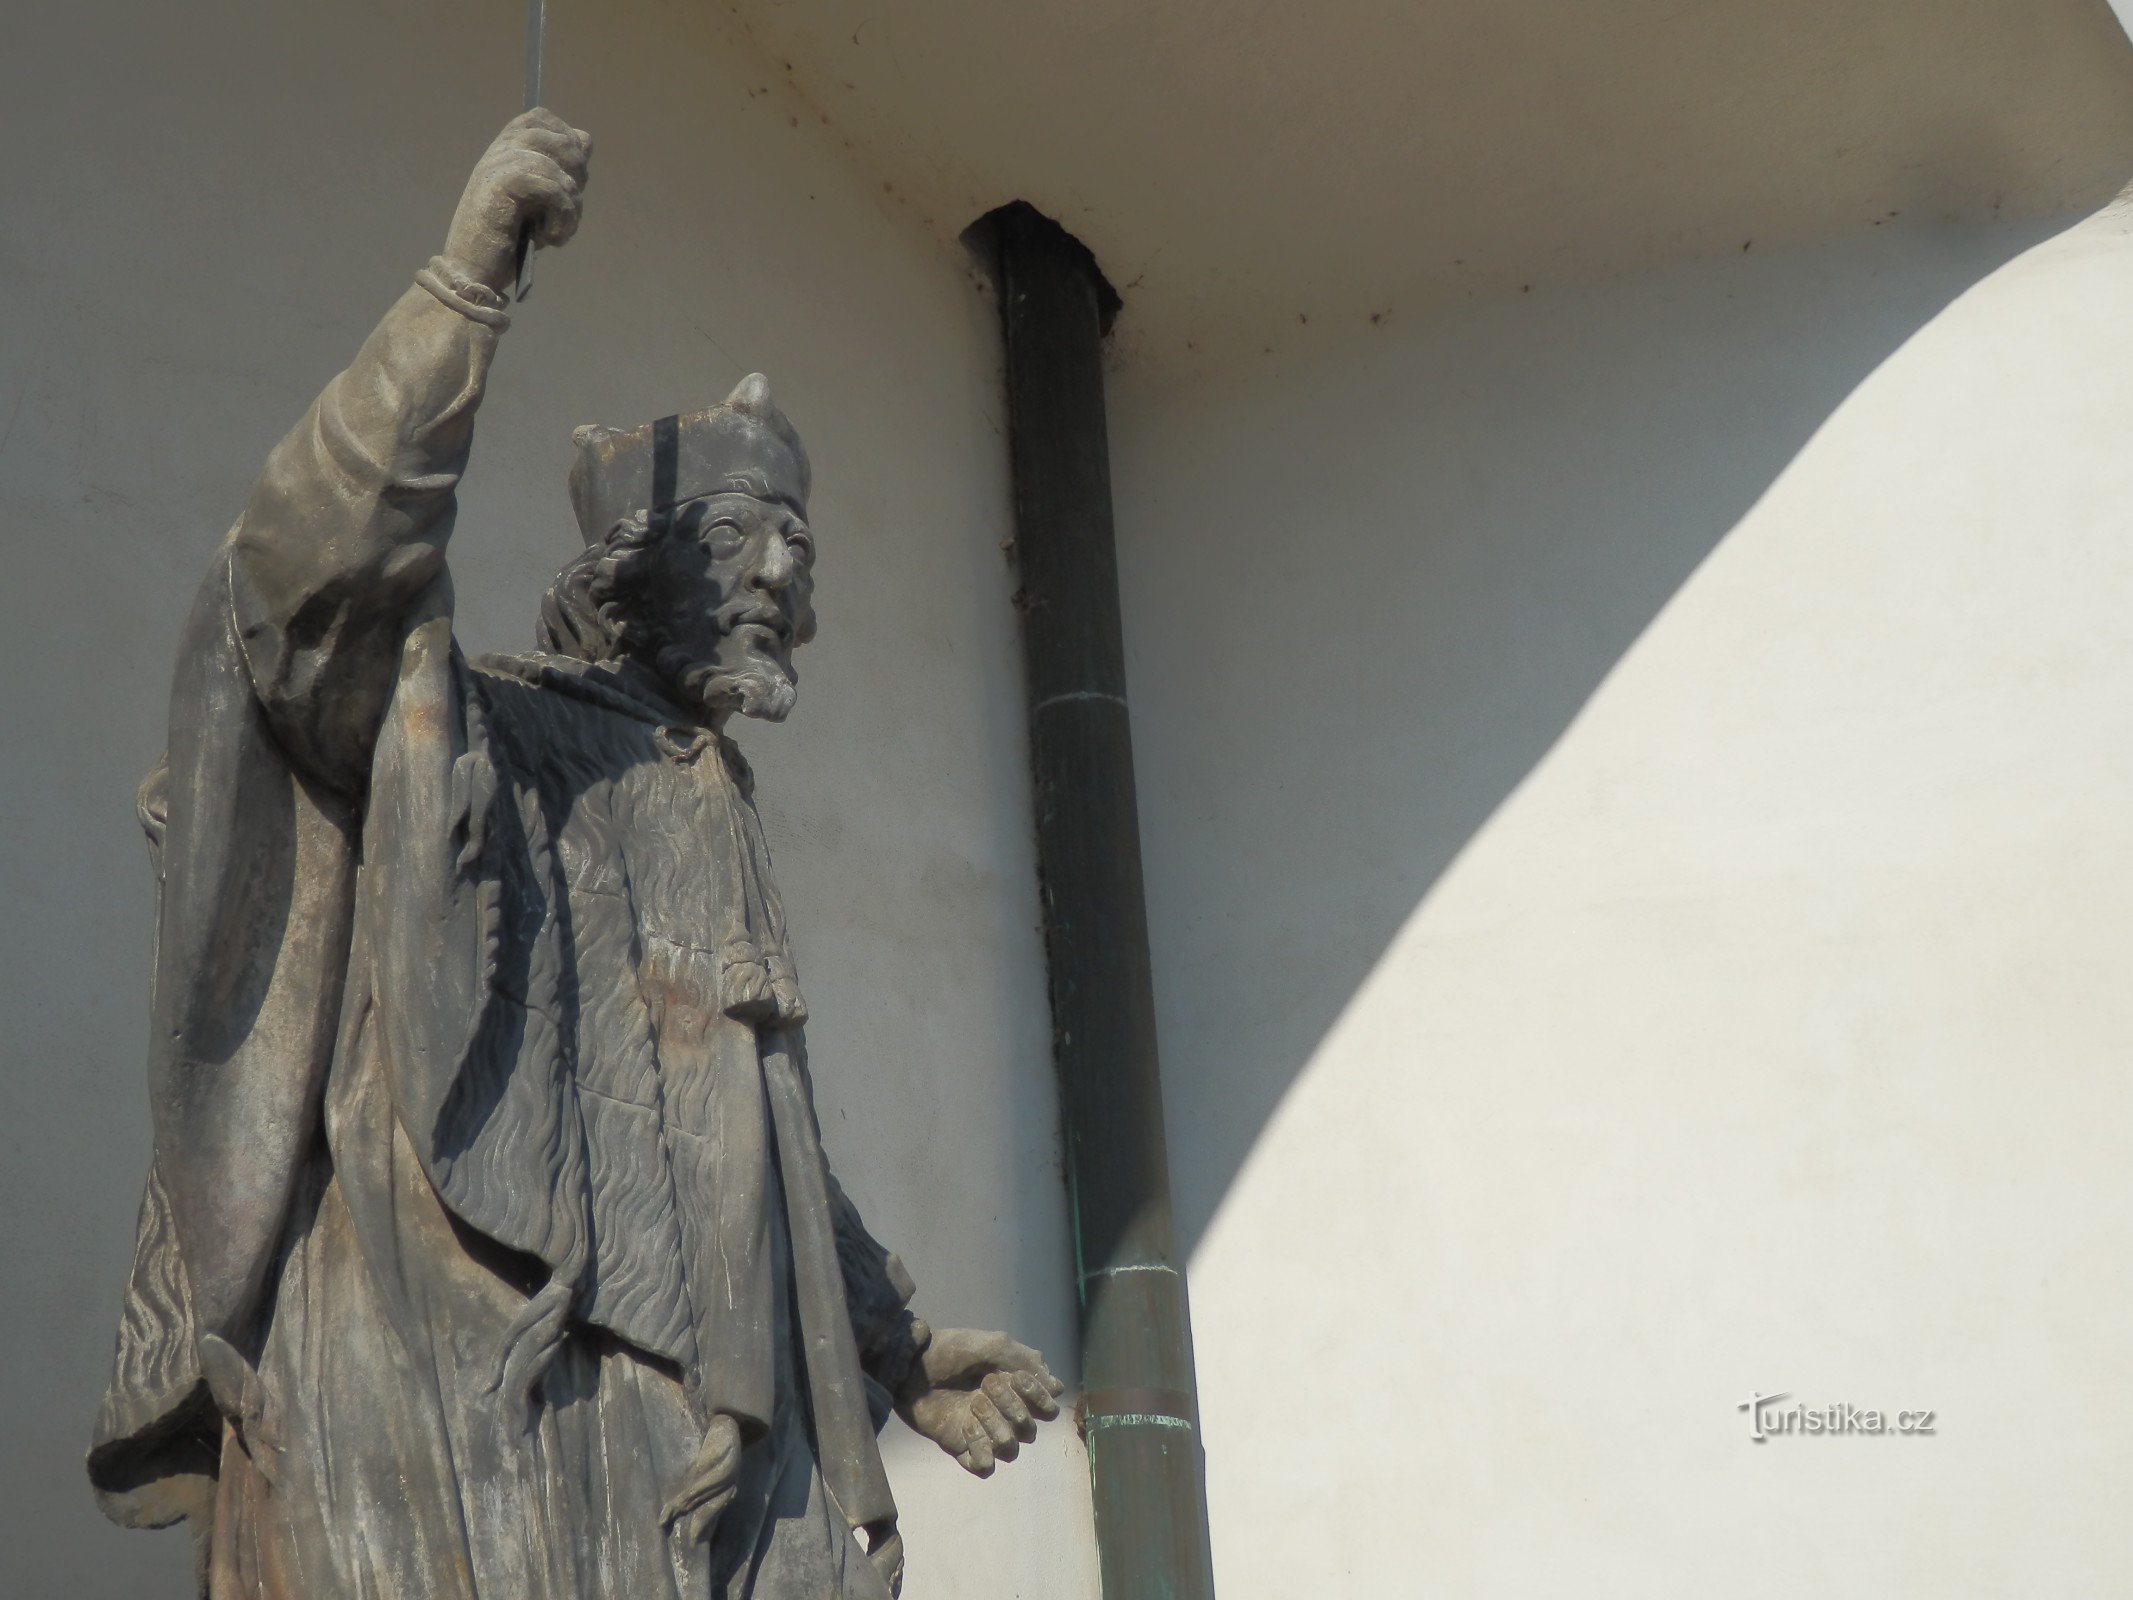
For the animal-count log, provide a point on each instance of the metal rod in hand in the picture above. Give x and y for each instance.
(536, 62)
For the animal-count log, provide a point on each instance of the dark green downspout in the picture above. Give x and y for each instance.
(1140, 1415)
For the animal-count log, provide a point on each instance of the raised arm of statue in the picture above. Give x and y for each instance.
(348, 521)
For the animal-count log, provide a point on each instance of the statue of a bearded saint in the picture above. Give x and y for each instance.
(489, 1248)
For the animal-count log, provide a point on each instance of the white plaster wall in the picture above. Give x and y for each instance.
(202, 209)
(1638, 795)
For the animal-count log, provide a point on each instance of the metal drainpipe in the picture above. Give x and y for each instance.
(1139, 1411)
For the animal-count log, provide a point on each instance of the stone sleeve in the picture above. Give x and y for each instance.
(878, 1290)
(348, 522)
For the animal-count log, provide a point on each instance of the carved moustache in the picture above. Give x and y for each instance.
(739, 614)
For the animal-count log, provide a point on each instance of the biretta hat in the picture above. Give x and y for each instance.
(742, 445)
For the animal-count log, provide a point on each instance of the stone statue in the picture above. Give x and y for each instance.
(489, 1248)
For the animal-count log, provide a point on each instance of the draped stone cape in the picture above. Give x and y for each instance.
(358, 855)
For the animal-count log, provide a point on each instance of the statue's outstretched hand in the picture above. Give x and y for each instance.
(980, 1397)
(533, 175)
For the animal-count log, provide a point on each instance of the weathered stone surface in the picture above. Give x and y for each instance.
(489, 1246)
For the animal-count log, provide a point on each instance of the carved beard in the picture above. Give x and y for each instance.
(758, 689)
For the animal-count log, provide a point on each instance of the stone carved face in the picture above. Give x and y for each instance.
(727, 592)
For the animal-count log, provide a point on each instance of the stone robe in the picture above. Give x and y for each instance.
(486, 1168)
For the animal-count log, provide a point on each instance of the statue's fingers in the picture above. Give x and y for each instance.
(1032, 1362)
(997, 1428)
(553, 217)
(1014, 1353)
(977, 1450)
(568, 149)
(538, 117)
(697, 1528)
(1000, 1389)
(1037, 1392)
(692, 1497)
(525, 171)
(558, 223)
(707, 1487)
(545, 192)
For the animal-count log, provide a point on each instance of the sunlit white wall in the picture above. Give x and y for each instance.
(1638, 787)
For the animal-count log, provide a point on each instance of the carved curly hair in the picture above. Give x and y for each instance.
(598, 607)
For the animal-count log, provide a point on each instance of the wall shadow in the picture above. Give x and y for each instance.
(1365, 596)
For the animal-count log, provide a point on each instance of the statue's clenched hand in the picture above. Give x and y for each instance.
(533, 175)
(980, 1396)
